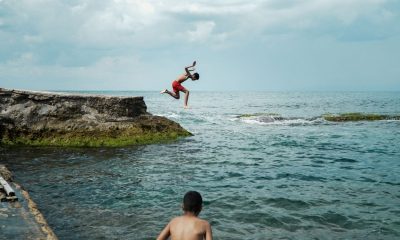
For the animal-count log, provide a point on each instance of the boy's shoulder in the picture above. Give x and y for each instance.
(184, 218)
(205, 223)
(175, 219)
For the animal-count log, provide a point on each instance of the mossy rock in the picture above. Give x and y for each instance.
(146, 130)
(91, 139)
(351, 117)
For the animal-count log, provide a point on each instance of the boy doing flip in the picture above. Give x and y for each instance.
(188, 226)
(177, 86)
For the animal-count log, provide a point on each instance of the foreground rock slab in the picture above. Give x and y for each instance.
(61, 119)
(22, 219)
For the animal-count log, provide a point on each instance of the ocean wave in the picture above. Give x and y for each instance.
(276, 119)
(169, 115)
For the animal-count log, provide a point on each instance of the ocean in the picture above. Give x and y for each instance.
(266, 163)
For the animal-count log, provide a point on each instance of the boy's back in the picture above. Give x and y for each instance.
(189, 228)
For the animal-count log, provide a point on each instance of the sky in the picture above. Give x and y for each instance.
(239, 45)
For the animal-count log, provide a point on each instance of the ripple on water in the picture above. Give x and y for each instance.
(285, 203)
(300, 177)
(334, 220)
(345, 160)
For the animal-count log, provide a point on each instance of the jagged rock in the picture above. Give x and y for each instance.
(60, 119)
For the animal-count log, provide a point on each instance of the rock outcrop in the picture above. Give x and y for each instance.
(61, 119)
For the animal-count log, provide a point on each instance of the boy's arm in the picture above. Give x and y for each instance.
(208, 232)
(164, 233)
(187, 70)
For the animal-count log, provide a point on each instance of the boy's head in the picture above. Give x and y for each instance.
(196, 76)
(192, 202)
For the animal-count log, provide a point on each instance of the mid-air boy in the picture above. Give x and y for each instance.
(177, 84)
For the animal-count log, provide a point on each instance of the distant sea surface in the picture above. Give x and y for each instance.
(283, 173)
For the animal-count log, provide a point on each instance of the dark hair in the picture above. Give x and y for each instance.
(192, 202)
(196, 75)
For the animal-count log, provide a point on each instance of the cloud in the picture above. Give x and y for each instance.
(202, 31)
(213, 8)
(19, 63)
(118, 22)
(32, 39)
(81, 37)
(107, 72)
(138, 23)
(297, 16)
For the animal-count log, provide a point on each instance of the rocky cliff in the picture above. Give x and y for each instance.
(60, 119)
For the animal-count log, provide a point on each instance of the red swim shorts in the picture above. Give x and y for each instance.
(176, 86)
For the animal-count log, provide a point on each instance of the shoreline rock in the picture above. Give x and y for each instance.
(78, 120)
(22, 219)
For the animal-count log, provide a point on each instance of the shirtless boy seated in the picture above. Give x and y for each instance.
(188, 226)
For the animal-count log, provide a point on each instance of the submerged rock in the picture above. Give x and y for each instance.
(347, 117)
(59, 119)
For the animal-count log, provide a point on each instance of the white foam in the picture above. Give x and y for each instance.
(273, 120)
(169, 115)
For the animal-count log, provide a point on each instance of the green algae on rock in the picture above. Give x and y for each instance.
(349, 117)
(67, 120)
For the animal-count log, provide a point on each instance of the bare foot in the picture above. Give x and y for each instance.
(164, 91)
(186, 107)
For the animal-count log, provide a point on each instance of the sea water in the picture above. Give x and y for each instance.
(266, 163)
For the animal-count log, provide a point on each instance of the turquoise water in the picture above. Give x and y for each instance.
(295, 176)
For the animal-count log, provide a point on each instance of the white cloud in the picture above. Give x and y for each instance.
(24, 59)
(144, 23)
(310, 13)
(32, 39)
(112, 63)
(121, 16)
(108, 72)
(213, 8)
(202, 31)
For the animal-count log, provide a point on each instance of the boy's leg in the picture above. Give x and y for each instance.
(186, 97)
(172, 94)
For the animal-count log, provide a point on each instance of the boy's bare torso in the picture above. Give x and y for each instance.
(189, 228)
(182, 78)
